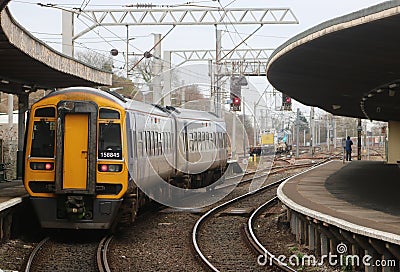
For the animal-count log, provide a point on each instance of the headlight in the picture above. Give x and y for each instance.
(110, 167)
(42, 165)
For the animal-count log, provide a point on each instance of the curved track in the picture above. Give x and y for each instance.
(101, 255)
(213, 212)
(256, 244)
(34, 253)
(211, 261)
(52, 254)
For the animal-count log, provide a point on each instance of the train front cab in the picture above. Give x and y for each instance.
(74, 166)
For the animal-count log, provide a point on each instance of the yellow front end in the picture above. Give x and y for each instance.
(76, 159)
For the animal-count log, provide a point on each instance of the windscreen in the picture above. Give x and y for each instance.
(43, 139)
(110, 146)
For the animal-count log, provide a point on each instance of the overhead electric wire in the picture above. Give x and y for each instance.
(88, 18)
(259, 35)
(84, 4)
(84, 15)
(243, 40)
(60, 7)
(154, 46)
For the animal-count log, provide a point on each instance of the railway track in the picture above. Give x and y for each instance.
(52, 254)
(230, 230)
(216, 237)
(101, 255)
(265, 256)
(261, 174)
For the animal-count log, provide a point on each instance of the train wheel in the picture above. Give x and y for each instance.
(127, 213)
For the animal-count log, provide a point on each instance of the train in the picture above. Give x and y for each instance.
(90, 155)
(271, 144)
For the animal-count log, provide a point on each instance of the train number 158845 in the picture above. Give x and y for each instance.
(110, 155)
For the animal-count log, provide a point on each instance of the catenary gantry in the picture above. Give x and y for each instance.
(347, 66)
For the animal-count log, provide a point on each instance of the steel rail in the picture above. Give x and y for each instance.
(33, 254)
(217, 208)
(214, 210)
(257, 244)
(101, 256)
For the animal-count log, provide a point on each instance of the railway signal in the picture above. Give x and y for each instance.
(236, 91)
(235, 103)
(286, 102)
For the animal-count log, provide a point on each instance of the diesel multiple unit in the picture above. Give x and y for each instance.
(87, 151)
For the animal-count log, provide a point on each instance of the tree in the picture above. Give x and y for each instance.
(95, 59)
(303, 121)
(186, 94)
(125, 87)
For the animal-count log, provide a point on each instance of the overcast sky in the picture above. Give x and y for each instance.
(45, 23)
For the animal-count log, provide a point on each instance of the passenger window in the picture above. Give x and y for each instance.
(196, 142)
(159, 143)
(43, 139)
(163, 141)
(140, 144)
(146, 138)
(153, 143)
(150, 143)
(155, 135)
(132, 143)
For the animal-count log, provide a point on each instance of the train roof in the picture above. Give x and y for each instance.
(179, 113)
(134, 105)
(145, 108)
(109, 95)
(114, 97)
(182, 113)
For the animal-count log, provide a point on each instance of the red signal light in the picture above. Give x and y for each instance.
(236, 101)
(288, 99)
(104, 168)
(48, 166)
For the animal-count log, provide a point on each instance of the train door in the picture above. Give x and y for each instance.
(76, 143)
(135, 146)
(76, 151)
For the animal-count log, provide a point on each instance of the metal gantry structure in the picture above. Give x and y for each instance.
(248, 62)
(235, 61)
(179, 16)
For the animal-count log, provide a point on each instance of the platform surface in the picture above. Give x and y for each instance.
(359, 196)
(11, 193)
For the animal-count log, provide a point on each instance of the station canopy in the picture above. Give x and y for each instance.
(27, 64)
(347, 66)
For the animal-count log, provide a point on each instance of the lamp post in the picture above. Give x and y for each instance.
(127, 52)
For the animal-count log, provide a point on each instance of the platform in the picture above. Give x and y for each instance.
(11, 193)
(360, 197)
